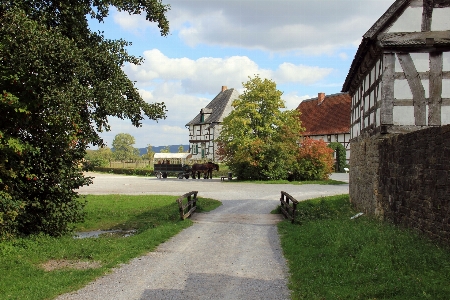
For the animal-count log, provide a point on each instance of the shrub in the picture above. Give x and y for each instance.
(341, 156)
(314, 161)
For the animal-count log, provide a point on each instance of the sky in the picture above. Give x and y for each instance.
(305, 47)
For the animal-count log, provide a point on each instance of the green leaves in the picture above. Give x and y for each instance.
(259, 140)
(60, 82)
(123, 147)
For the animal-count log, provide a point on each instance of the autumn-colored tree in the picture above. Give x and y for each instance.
(258, 139)
(314, 160)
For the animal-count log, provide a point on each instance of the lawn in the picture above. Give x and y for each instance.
(155, 219)
(332, 256)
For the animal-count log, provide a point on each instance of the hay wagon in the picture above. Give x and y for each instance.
(165, 163)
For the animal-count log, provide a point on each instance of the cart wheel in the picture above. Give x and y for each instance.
(186, 176)
(164, 175)
(180, 176)
(158, 175)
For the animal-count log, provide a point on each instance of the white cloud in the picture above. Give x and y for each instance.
(137, 24)
(288, 72)
(343, 56)
(314, 27)
(208, 74)
(292, 100)
(150, 133)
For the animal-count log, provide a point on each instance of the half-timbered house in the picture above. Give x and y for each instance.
(206, 126)
(327, 118)
(399, 82)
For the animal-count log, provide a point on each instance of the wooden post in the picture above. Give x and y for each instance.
(286, 209)
(294, 208)
(189, 203)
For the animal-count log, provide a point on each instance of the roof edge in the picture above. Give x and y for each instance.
(368, 39)
(326, 96)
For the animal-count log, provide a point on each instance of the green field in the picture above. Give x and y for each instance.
(155, 219)
(331, 256)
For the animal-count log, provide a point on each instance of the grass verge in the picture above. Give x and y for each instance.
(155, 219)
(331, 256)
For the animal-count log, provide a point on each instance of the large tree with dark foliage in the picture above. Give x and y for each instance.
(59, 82)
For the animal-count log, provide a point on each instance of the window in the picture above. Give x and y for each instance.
(194, 149)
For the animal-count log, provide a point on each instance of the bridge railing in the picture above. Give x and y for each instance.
(188, 207)
(288, 206)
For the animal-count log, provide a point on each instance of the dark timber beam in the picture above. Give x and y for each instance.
(415, 84)
(435, 101)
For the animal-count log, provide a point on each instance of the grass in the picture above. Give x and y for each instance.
(156, 219)
(331, 256)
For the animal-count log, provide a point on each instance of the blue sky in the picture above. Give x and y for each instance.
(306, 47)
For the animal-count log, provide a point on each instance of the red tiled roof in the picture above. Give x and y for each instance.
(332, 116)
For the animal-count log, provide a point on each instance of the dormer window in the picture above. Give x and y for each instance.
(204, 114)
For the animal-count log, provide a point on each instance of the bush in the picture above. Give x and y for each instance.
(341, 156)
(140, 172)
(314, 161)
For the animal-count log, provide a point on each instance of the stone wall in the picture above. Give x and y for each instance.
(404, 179)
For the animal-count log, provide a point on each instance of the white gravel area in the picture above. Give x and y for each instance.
(232, 252)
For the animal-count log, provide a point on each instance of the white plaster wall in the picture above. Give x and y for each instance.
(445, 115)
(398, 67)
(373, 75)
(440, 20)
(421, 61)
(409, 21)
(378, 118)
(355, 131)
(445, 88)
(426, 87)
(402, 90)
(366, 103)
(446, 61)
(403, 115)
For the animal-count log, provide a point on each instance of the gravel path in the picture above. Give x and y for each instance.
(232, 252)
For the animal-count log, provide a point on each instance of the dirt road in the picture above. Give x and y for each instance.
(232, 252)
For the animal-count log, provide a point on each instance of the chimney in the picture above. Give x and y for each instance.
(224, 88)
(320, 98)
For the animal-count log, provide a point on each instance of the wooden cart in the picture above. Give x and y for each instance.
(164, 163)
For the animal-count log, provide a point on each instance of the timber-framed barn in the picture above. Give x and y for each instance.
(206, 126)
(399, 82)
(400, 77)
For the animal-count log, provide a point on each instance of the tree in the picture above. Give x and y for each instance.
(150, 153)
(180, 149)
(314, 161)
(100, 157)
(258, 140)
(59, 82)
(165, 150)
(341, 155)
(123, 147)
